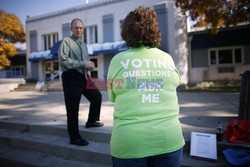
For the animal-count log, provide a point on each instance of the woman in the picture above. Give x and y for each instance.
(142, 84)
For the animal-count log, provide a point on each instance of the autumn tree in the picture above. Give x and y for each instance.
(214, 14)
(11, 31)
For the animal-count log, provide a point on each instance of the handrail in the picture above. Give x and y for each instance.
(48, 80)
(54, 76)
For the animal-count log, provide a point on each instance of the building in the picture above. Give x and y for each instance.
(18, 67)
(219, 57)
(102, 20)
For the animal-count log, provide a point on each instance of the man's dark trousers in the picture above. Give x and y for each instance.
(74, 86)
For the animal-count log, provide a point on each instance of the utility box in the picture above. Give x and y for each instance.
(244, 105)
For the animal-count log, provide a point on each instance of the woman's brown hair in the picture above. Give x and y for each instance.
(140, 27)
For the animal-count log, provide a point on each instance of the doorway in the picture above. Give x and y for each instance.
(50, 68)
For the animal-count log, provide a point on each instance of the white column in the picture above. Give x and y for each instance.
(177, 44)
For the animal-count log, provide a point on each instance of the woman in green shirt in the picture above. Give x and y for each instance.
(142, 83)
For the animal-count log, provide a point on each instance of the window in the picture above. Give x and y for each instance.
(238, 55)
(226, 56)
(212, 57)
(94, 74)
(121, 23)
(95, 61)
(56, 66)
(49, 40)
(17, 71)
(85, 35)
(90, 34)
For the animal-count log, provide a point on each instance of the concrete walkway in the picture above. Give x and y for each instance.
(199, 111)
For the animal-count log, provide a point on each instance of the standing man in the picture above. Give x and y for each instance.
(75, 63)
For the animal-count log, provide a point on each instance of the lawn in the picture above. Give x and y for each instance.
(215, 89)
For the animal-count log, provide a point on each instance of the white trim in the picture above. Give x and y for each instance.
(91, 39)
(226, 48)
(52, 42)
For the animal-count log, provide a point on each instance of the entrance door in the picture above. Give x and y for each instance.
(50, 68)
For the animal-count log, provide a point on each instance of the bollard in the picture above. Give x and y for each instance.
(244, 104)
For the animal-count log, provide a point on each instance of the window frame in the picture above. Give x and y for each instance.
(88, 38)
(21, 69)
(233, 48)
(49, 40)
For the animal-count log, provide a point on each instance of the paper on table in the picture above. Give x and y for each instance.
(203, 145)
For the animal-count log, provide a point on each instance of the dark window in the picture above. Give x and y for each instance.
(96, 35)
(95, 61)
(237, 53)
(49, 42)
(47, 76)
(225, 56)
(56, 66)
(94, 74)
(212, 57)
(85, 35)
(45, 42)
(54, 38)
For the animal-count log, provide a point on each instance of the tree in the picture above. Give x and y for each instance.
(214, 14)
(11, 31)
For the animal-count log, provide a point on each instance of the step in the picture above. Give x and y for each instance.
(7, 87)
(96, 135)
(88, 134)
(50, 139)
(26, 87)
(59, 146)
(12, 156)
(28, 148)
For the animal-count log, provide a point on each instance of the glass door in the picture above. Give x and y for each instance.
(55, 68)
(51, 68)
(47, 69)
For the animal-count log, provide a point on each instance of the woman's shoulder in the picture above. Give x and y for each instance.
(162, 53)
(120, 56)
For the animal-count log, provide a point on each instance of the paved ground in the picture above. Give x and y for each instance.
(199, 111)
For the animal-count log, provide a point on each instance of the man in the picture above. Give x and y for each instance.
(75, 63)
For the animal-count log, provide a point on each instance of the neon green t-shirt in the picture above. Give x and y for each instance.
(142, 83)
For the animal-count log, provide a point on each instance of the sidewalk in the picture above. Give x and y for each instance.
(33, 128)
(199, 111)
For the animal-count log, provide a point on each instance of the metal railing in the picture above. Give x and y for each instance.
(51, 79)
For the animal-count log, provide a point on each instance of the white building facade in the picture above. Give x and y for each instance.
(102, 20)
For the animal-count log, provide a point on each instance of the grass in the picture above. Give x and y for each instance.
(214, 89)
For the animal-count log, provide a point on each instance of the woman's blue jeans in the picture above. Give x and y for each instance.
(172, 159)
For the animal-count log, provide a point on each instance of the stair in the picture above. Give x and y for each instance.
(26, 87)
(55, 85)
(7, 87)
(34, 143)
(47, 145)
(13, 156)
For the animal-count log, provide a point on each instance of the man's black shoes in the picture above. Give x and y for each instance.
(79, 142)
(93, 124)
